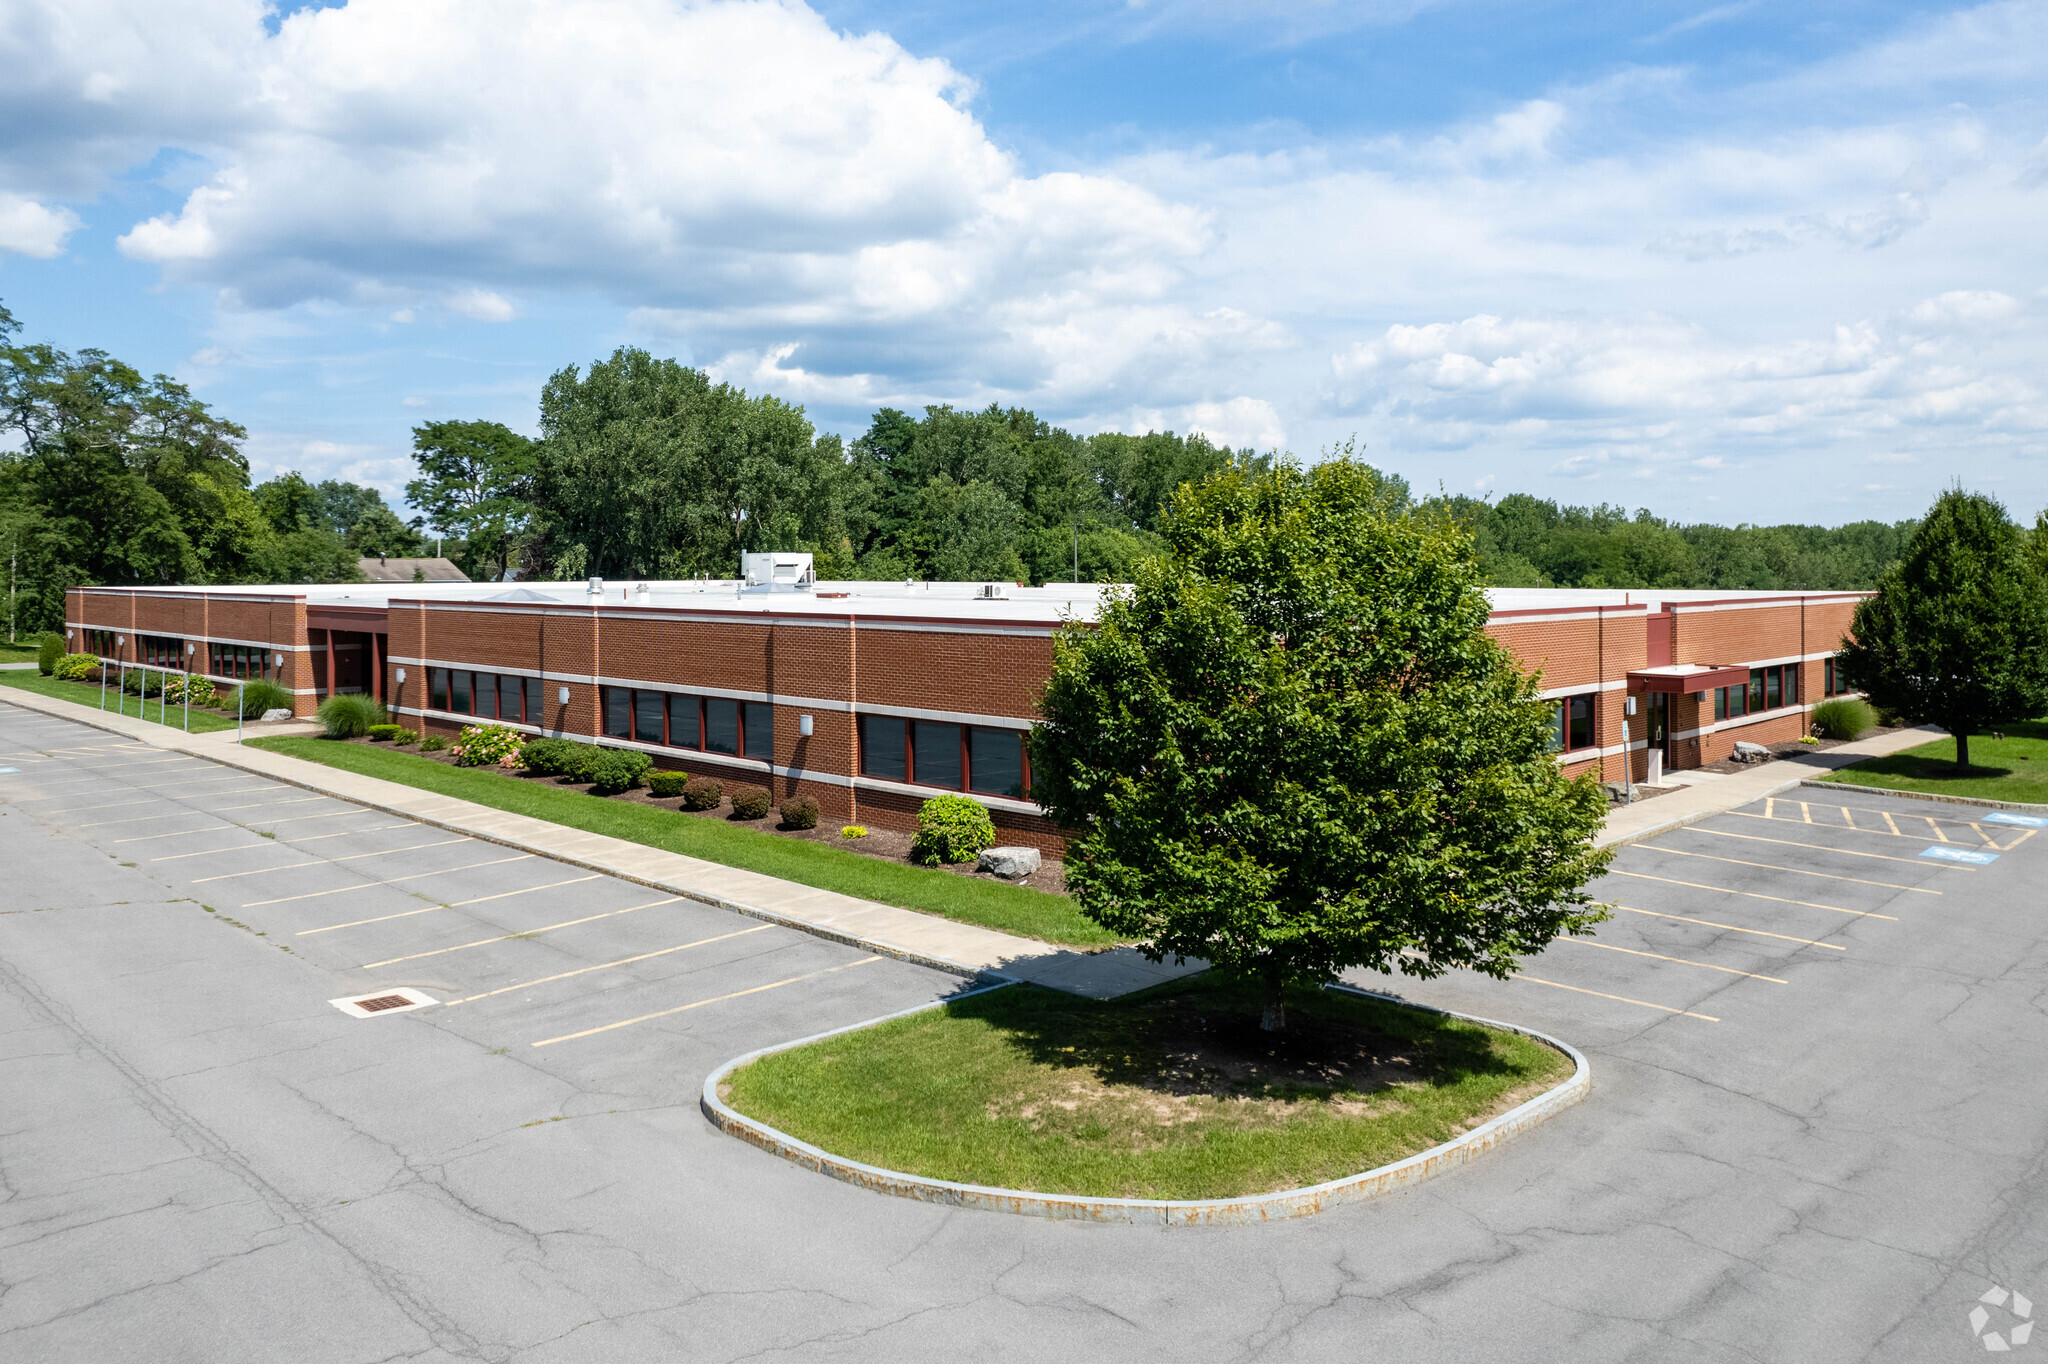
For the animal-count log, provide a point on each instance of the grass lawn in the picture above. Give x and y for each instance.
(1172, 1093)
(2013, 768)
(1012, 909)
(88, 694)
(23, 652)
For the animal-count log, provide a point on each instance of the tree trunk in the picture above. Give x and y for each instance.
(1274, 1019)
(1962, 749)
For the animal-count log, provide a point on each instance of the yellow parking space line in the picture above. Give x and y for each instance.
(1734, 928)
(1894, 824)
(606, 966)
(291, 843)
(1935, 827)
(1751, 894)
(330, 861)
(684, 1008)
(523, 933)
(1796, 871)
(1816, 847)
(1682, 961)
(1624, 999)
(387, 881)
(384, 918)
(1876, 833)
(1806, 812)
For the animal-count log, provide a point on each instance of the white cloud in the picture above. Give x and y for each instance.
(479, 305)
(32, 229)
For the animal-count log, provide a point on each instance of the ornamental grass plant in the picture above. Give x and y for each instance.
(349, 715)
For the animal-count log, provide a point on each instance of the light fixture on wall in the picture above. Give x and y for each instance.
(562, 695)
(803, 725)
(280, 660)
(401, 677)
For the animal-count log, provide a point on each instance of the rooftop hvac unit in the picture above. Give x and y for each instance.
(777, 572)
(993, 592)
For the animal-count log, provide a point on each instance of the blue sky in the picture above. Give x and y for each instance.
(1737, 261)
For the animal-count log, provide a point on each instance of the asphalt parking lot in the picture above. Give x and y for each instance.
(1815, 1132)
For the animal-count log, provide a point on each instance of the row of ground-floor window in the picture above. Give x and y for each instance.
(1575, 720)
(981, 758)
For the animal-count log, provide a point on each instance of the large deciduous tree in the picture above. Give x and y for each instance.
(1292, 749)
(473, 484)
(1957, 632)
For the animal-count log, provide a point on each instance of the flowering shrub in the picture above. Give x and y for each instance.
(487, 746)
(200, 689)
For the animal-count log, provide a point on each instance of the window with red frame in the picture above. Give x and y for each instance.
(984, 759)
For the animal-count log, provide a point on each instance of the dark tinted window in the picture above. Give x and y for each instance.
(881, 747)
(1580, 731)
(934, 754)
(437, 689)
(682, 722)
(721, 725)
(461, 697)
(647, 711)
(1772, 697)
(487, 695)
(510, 692)
(536, 712)
(760, 722)
(995, 761)
(618, 712)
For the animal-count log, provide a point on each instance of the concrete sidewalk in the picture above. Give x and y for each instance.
(927, 939)
(924, 938)
(1707, 793)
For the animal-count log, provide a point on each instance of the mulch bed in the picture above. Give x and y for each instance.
(1790, 748)
(887, 845)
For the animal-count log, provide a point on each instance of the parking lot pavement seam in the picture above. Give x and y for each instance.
(1249, 1210)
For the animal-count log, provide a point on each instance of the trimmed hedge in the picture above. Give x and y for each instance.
(384, 734)
(751, 803)
(49, 651)
(703, 793)
(799, 812)
(549, 757)
(664, 785)
(951, 829)
(612, 770)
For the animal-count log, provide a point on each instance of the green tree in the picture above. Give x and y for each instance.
(473, 484)
(378, 533)
(1957, 632)
(1292, 749)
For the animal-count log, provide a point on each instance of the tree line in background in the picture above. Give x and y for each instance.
(645, 467)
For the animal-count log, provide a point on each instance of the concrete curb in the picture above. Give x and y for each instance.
(1623, 840)
(1927, 795)
(228, 755)
(1273, 1207)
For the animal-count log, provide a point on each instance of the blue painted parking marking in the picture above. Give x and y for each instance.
(2028, 821)
(1969, 855)
(9, 769)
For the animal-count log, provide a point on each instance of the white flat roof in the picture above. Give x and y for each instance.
(949, 600)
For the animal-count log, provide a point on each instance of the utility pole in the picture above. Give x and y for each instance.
(13, 554)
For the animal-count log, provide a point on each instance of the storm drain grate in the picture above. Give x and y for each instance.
(391, 1001)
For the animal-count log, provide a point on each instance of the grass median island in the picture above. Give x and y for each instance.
(2014, 768)
(1172, 1093)
(118, 702)
(1010, 909)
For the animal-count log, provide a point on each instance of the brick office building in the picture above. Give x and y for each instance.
(871, 697)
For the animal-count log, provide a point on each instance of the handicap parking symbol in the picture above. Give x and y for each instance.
(1969, 855)
(2026, 821)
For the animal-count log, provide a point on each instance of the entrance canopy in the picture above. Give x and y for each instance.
(1680, 678)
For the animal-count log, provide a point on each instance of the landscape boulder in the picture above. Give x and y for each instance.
(1751, 753)
(1012, 864)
